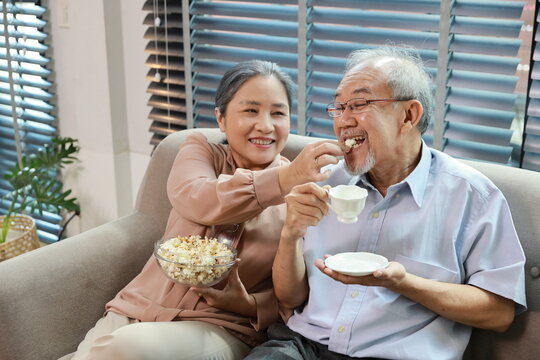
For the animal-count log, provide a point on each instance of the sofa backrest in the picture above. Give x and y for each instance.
(520, 187)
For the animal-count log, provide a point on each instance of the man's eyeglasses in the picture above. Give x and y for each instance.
(356, 105)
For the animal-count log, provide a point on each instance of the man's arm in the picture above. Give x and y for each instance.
(289, 272)
(306, 205)
(462, 303)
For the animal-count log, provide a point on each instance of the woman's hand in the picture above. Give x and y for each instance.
(234, 296)
(306, 167)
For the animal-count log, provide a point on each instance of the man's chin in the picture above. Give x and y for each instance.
(360, 168)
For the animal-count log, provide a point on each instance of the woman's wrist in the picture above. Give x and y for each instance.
(284, 178)
(252, 306)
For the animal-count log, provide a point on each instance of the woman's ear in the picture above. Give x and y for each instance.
(220, 119)
(413, 114)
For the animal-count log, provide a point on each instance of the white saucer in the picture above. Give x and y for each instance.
(356, 263)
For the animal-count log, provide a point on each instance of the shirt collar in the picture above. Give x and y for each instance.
(417, 179)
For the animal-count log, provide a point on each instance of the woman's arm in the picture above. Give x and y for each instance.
(198, 191)
(261, 306)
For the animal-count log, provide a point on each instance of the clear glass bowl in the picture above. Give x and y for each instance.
(195, 265)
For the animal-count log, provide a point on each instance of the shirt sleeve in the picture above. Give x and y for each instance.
(199, 192)
(496, 260)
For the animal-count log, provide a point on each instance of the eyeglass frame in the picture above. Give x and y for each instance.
(368, 102)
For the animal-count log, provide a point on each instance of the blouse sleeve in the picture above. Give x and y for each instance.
(267, 309)
(199, 193)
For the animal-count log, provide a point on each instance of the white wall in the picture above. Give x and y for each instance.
(101, 100)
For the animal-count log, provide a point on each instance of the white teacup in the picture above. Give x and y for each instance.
(347, 201)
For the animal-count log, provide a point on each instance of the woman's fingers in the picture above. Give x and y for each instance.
(306, 167)
(326, 152)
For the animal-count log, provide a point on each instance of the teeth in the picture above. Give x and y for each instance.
(260, 141)
(354, 142)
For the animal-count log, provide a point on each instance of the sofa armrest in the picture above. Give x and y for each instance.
(50, 297)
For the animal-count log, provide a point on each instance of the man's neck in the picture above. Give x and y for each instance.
(382, 176)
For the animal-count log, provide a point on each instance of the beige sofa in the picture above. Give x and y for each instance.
(51, 296)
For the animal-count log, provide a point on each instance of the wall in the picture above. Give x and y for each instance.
(98, 53)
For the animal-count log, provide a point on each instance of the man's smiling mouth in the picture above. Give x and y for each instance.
(354, 142)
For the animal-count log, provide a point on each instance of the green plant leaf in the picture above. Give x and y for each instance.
(5, 229)
(35, 181)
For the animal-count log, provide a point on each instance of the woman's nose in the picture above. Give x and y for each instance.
(264, 123)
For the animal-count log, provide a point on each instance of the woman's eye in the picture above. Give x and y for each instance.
(279, 113)
(251, 111)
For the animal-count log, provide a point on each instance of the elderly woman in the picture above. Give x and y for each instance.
(239, 188)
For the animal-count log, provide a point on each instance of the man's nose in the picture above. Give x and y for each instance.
(347, 118)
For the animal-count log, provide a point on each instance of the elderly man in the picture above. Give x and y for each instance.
(455, 258)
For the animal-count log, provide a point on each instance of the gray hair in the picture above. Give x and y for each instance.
(235, 77)
(406, 77)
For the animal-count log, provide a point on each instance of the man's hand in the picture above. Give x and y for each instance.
(233, 297)
(306, 206)
(389, 277)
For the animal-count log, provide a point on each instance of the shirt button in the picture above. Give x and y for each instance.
(354, 294)
(375, 215)
(397, 195)
(341, 329)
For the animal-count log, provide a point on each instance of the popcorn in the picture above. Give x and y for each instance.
(194, 260)
(350, 142)
(353, 142)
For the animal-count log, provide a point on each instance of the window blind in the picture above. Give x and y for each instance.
(166, 68)
(531, 146)
(478, 100)
(470, 48)
(26, 109)
(226, 32)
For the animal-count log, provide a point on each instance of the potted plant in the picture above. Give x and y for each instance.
(36, 189)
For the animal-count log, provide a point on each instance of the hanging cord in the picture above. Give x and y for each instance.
(167, 80)
(15, 122)
(157, 22)
(61, 234)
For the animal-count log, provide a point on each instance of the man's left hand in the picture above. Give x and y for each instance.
(388, 277)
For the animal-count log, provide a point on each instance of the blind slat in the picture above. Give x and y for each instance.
(266, 27)
(238, 9)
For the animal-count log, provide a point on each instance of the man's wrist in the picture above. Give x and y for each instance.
(290, 236)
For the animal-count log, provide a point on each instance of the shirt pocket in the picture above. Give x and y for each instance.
(403, 306)
(428, 271)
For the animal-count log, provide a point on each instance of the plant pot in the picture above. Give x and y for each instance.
(22, 237)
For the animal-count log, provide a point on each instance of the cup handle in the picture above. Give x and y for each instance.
(328, 202)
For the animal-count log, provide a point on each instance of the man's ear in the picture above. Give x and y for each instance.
(413, 114)
(220, 119)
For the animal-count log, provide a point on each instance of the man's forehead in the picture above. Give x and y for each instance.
(356, 91)
(359, 81)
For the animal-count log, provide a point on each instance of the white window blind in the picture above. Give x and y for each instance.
(26, 112)
(471, 49)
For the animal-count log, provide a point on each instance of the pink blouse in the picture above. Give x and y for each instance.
(205, 187)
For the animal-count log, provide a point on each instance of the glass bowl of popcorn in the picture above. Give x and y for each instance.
(194, 260)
